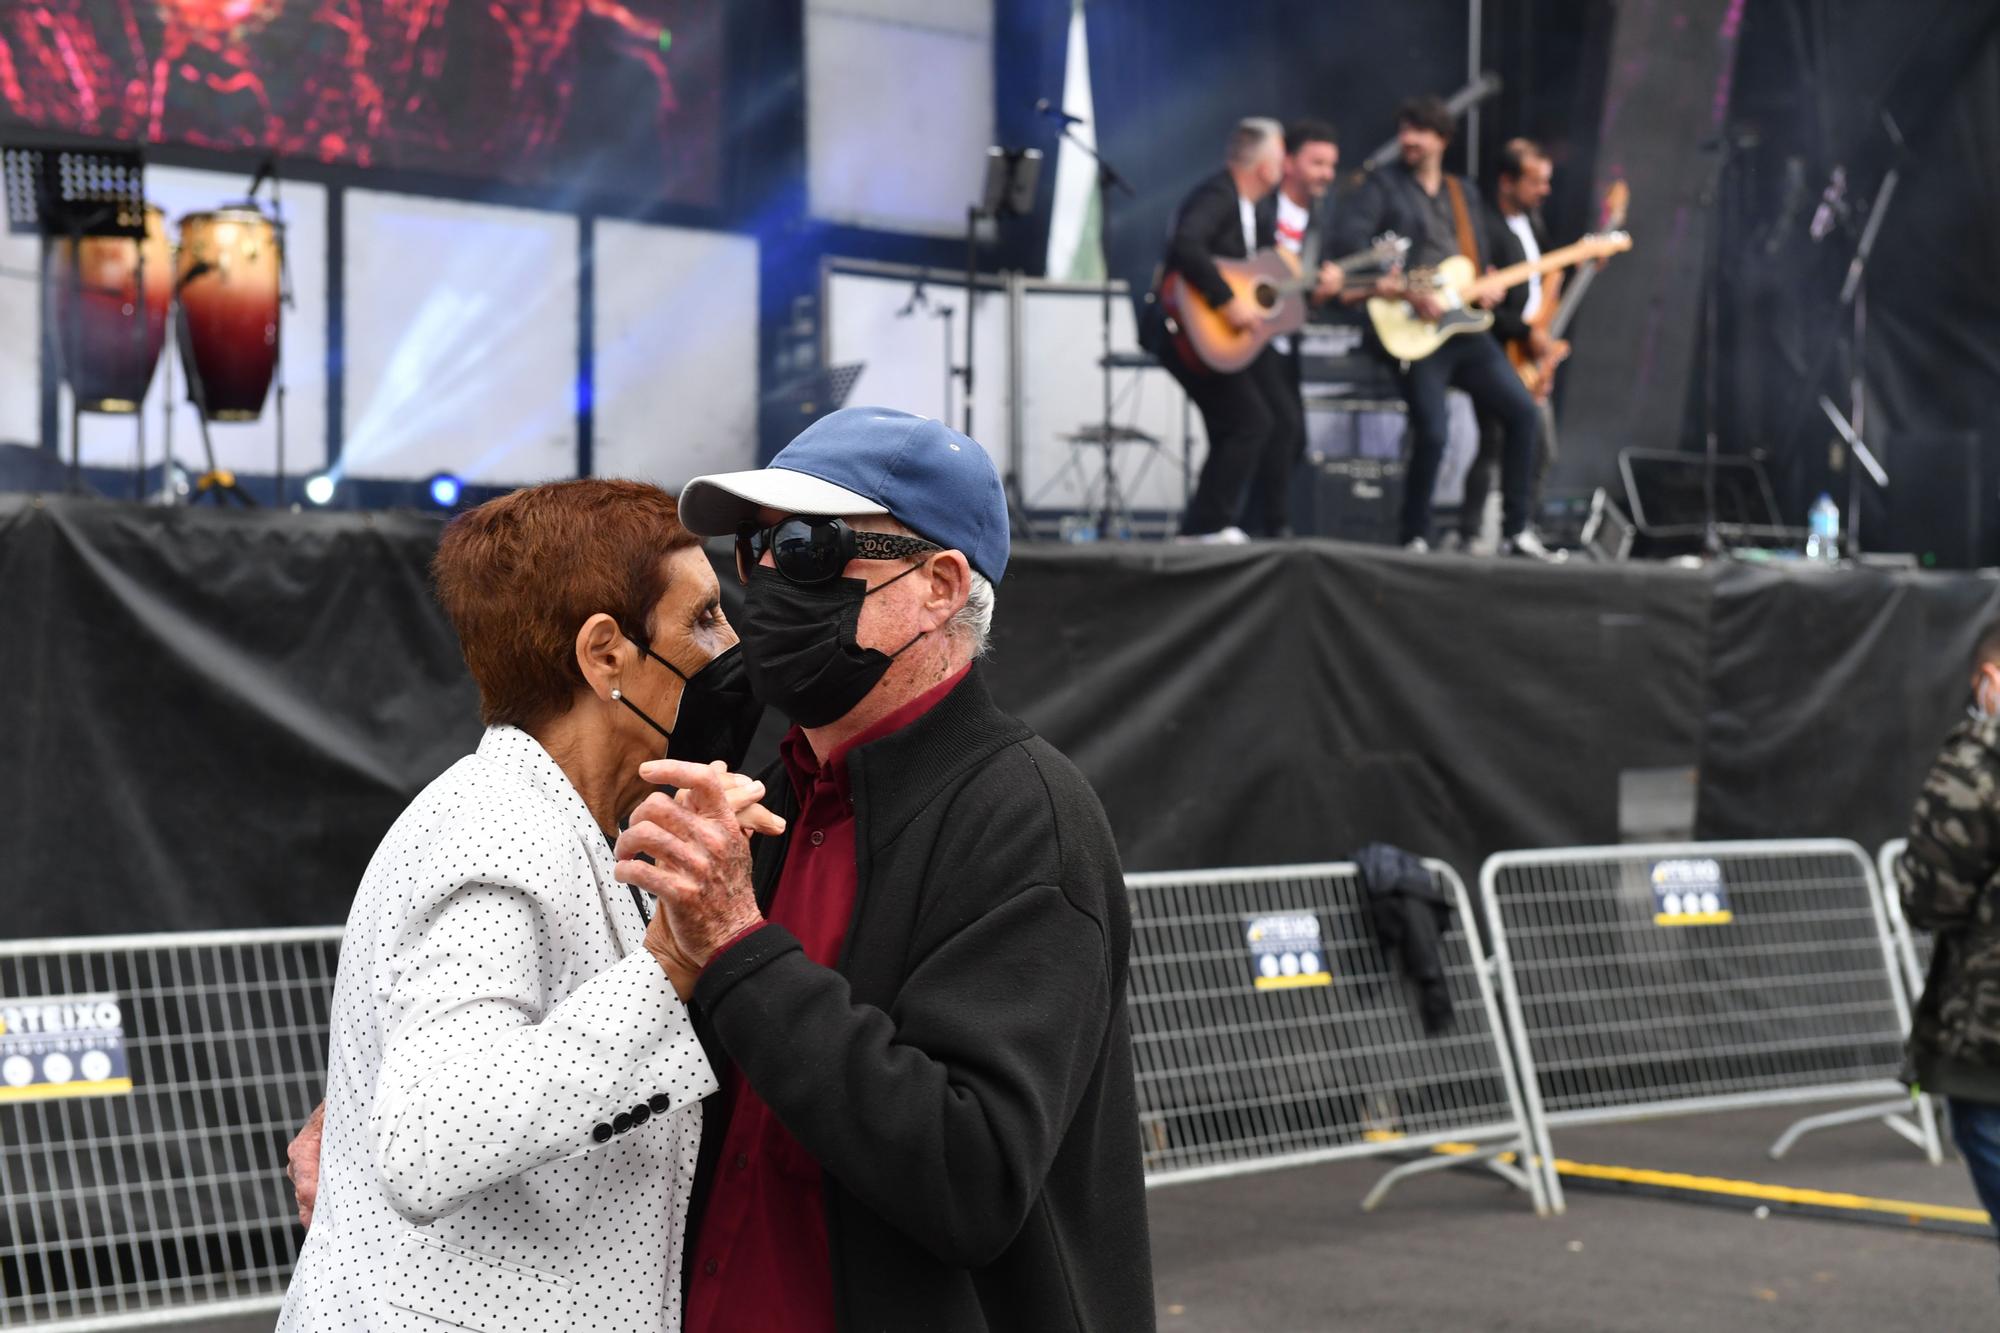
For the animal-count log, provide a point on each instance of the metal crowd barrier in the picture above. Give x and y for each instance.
(1912, 945)
(144, 1118)
(1270, 1029)
(1657, 980)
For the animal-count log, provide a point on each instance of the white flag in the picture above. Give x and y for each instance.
(1076, 241)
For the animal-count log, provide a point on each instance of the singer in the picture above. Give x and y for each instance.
(511, 1120)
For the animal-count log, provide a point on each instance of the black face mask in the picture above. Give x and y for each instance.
(798, 642)
(718, 714)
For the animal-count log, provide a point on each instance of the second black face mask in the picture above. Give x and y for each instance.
(718, 714)
(799, 644)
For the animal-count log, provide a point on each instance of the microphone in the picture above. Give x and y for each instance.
(1832, 205)
(195, 270)
(917, 300)
(1044, 107)
(264, 172)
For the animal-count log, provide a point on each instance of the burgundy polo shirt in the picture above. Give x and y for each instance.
(761, 1262)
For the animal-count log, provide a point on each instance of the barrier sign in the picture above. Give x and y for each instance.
(1690, 893)
(1285, 952)
(62, 1046)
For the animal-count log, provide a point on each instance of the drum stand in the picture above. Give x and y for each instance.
(215, 483)
(75, 193)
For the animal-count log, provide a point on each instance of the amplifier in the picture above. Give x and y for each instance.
(1353, 499)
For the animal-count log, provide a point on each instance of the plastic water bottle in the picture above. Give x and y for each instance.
(1823, 531)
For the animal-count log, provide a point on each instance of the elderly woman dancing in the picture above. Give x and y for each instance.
(511, 1124)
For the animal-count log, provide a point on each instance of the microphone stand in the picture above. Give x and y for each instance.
(1108, 179)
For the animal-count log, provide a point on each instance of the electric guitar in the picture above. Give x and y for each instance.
(1553, 319)
(1408, 336)
(1272, 280)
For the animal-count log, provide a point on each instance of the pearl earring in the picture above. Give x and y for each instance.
(615, 695)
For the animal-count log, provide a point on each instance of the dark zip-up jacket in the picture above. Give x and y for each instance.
(964, 1076)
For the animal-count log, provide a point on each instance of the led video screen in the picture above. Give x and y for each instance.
(598, 94)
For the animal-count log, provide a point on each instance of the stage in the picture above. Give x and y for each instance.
(212, 716)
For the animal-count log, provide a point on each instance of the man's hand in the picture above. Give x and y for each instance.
(701, 858)
(1425, 303)
(1539, 342)
(302, 1163)
(1242, 314)
(681, 970)
(1484, 294)
(1330, 280)
(745, 796)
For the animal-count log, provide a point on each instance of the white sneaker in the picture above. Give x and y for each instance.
(1417, 546)
(1527, 542)
(1226, 537)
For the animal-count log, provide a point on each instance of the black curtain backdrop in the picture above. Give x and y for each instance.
(210, 718)
(1814, 84)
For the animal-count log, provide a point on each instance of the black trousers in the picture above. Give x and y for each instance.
(1268, 511)
(1246, 415)
(1479, 481)
(1472, 362)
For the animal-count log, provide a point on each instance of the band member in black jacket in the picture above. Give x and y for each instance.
(1414, 197)
(1246, 413)
(1295, 216)
(1514, 233)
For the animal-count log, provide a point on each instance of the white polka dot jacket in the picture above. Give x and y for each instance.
(963, 1076)
(512, 1114)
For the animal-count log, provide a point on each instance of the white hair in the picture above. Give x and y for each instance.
(1252, 138)
(972, 624)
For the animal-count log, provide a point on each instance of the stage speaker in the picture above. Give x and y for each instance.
(1938, 510)
(1353, 499)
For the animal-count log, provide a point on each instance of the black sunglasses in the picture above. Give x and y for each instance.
(815, 550)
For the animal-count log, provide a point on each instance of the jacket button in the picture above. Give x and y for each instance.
(708, 1267)
(661, 1103)
(641, 1113)
(602, 1133)
(818, 837)
(621, 1122)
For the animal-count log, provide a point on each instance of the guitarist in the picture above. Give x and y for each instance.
(1293, 214)
(1442, 216)
(1243, 413)
(1514, 230)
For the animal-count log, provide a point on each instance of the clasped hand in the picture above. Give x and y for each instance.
(699, 842)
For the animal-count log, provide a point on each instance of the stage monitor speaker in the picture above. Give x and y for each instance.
(1667, 491)
(1937, 505)
(1353, 499)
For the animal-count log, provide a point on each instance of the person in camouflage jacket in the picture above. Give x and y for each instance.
(1950, 885)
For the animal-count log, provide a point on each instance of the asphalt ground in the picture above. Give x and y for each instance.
(1292, 1252)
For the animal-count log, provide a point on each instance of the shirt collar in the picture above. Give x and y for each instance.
(804, 766)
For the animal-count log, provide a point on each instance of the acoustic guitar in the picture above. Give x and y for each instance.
(1559, 307)
(1408, 336)
(1272, 280)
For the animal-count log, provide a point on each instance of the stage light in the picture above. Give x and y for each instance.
(319, 488)
(444, 490)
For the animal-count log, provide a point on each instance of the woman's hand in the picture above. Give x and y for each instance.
(744, 794)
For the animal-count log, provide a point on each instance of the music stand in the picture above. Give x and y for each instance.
(70, 193)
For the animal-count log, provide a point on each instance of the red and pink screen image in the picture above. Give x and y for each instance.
(616, 97)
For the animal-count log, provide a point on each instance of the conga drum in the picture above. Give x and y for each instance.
(228, 277)
(108, 352)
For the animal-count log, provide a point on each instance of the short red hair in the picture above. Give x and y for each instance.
(520, 574)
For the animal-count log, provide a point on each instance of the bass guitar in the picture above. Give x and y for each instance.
(1273, 282)
(1553, 319)
(1408, 336)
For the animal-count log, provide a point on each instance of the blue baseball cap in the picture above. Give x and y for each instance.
(870, 460)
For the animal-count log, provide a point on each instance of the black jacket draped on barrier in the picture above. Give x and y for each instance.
(209, 718)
